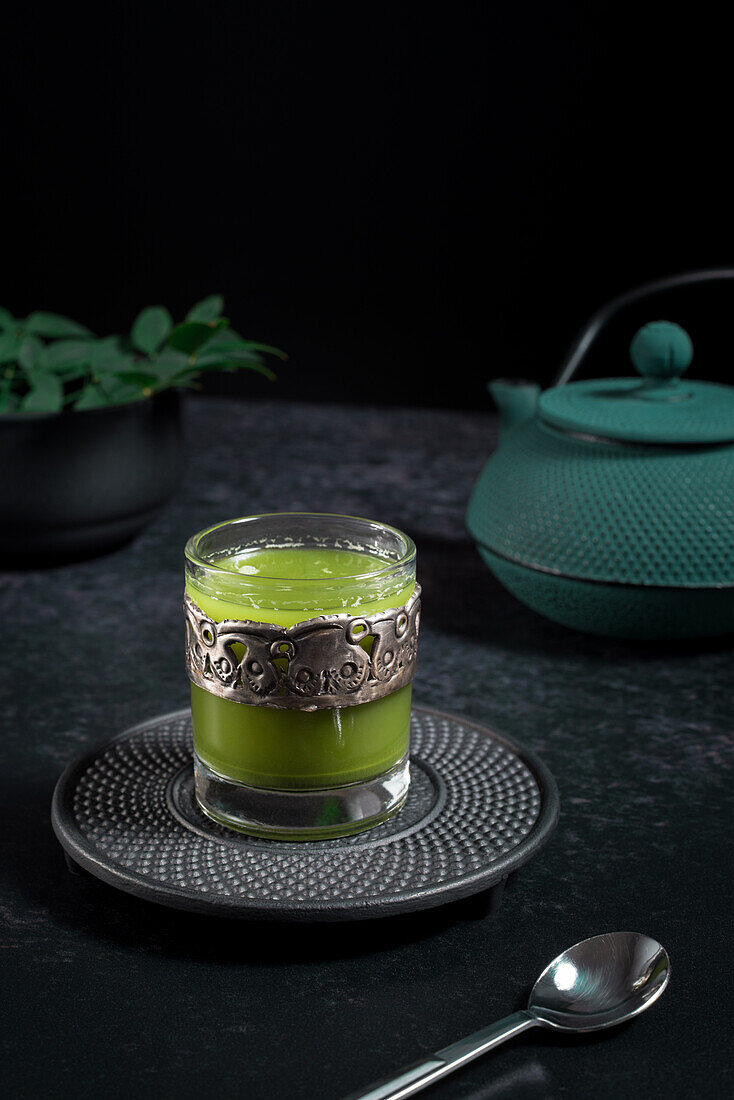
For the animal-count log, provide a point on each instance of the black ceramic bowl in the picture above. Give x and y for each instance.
(77, 484)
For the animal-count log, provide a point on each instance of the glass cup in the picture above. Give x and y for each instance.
(301, 649)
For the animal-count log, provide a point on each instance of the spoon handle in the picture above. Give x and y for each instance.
(419, 1075)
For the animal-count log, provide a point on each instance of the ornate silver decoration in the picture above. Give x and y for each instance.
(330, 661)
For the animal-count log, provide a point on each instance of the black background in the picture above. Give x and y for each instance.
(408, 198)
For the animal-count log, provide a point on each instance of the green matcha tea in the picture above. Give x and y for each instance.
(291, 749)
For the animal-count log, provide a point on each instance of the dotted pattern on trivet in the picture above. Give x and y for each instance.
(472, 803)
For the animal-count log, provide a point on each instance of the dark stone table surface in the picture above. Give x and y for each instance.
(108, 995)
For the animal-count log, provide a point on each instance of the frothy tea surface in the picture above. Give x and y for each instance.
(302, 563)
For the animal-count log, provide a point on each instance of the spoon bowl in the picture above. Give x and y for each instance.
(600, 982)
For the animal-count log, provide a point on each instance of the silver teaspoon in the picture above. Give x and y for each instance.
(597, 983)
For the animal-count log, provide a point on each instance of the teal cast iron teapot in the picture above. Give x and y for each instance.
(608, 505)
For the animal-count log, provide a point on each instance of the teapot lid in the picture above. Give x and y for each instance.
(658, 408)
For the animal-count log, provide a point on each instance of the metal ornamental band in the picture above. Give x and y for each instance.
(330, 661)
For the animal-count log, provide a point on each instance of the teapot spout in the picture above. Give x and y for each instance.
(516, 399)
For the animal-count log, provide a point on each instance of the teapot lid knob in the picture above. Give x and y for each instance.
(661, 351)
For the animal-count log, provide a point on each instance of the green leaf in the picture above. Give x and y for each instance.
(107, 354)
(6, 319)
(91, 397)
(108, 391)
(151, 329)
(253, 346)
(64, 353)
(192, 334)
(141, 380)
(210, 309)
(170, 363)
(259, 368)
(233, 354)
(118, 392)
(232, 363)
(52, 324)
(30, 352)
(225, 348)
(227, 335)
(9, 347)
(186, 380)
(267, 349)
(170, 368)
(72, 372)
(226, 338)
(46, 394)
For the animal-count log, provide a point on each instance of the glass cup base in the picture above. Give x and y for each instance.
(320, 814)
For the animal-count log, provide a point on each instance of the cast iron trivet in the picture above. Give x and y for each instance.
(479, 806)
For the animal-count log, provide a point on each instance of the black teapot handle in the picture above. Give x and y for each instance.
(598, 320)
